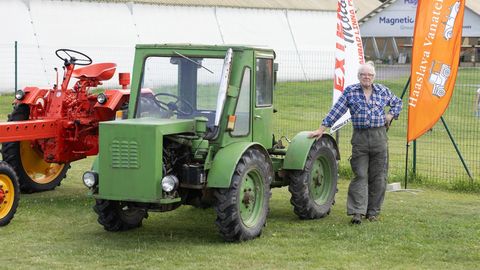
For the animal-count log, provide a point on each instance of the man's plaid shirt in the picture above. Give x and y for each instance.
(364, 114)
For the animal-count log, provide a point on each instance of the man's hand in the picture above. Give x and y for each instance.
(388, 120)
(317, 133)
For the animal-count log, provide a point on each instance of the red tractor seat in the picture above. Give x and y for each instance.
(100, 71)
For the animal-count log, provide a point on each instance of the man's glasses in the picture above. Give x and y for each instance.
(367, 74)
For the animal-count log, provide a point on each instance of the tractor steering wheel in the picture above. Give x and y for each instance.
(185, 109)
(73, 57)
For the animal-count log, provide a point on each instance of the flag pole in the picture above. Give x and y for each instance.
(405, 88)
(456, 148)
(406, 164)
(407, 145)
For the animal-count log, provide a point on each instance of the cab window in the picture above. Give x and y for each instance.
(242, 111)
(264, 82)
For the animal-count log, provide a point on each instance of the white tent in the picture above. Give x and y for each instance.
(108, 31)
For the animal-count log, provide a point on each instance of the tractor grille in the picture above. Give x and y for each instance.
(124, 154)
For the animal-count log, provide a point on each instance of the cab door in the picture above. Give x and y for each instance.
(263, 101)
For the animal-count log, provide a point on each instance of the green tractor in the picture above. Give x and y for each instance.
(199, 132)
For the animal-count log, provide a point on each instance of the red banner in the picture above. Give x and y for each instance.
(435, 57)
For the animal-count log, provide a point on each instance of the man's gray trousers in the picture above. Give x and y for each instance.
(369, 163)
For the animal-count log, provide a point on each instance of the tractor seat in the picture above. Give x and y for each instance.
(100, 71)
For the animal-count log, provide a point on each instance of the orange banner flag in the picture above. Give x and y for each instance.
(435, 58)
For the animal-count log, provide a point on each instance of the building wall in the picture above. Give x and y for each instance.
(397, 21)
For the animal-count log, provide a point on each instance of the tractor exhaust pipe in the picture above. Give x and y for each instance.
(124, 79)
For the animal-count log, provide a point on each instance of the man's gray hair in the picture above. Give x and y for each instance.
(369, 65)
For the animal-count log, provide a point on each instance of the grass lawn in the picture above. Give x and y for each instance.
(431, 229)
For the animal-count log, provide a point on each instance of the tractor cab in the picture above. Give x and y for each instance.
(214, 83)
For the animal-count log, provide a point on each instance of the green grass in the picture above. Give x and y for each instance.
(431, 229)
(436, 228)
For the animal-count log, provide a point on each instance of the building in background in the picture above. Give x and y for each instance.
(387, 30)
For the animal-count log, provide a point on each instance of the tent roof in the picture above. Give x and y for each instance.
(317, 5)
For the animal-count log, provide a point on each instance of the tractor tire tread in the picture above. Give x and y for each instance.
(110, 216)
(5, 168)
(303, 205)
(228, 219)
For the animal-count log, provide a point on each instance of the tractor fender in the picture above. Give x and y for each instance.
(115, 99)
(298, 149)
(34, 96)
(225, 161)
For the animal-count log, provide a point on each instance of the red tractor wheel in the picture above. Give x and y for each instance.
(9, 193)
(33, 172)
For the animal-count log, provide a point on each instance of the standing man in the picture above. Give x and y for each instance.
(366, 102)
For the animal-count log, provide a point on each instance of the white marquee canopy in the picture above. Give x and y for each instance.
(108, 32)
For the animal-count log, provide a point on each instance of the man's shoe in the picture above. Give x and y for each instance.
(372, 218)
(356, 219)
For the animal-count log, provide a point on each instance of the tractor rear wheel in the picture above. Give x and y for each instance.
(242, 209)
(34, 173)
(9, 193)
(313, 188)
(119, 216)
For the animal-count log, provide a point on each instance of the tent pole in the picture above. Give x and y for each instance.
(16, 67)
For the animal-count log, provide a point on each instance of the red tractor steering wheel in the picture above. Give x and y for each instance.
(73, 57)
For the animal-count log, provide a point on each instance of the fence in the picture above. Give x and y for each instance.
(302, 98)
(434, 155)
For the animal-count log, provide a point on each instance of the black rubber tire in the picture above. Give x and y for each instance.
(228, 201)
(116, 216)
(12, 155)
(8, 174)
(305, 205)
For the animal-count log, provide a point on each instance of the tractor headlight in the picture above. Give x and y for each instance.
(90, 179)
(19, 94)
(101, 98)
(169, 183)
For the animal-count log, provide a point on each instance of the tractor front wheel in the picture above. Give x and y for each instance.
(313, 188)
(9, 193)
(242, 209)
(34, 173)
(119, 216)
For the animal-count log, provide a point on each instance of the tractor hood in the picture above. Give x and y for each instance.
(130, 166)
(164, 126)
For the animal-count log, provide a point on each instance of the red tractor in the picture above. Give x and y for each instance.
(49, 128)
